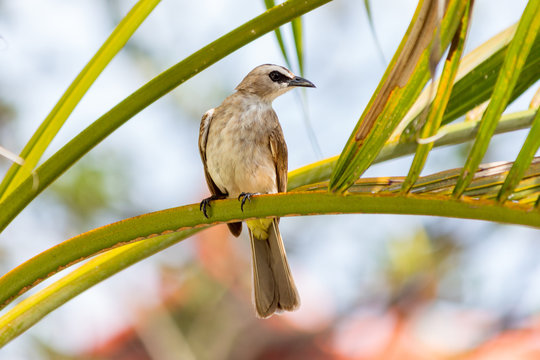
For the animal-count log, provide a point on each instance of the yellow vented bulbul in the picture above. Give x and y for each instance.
(244, 153)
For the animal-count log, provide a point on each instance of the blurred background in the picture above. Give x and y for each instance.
(372, 286)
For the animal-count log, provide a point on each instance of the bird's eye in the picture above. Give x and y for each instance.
(275, 76)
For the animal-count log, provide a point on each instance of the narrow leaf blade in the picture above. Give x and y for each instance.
(440, 102)
(270, 4)
(296, 25)
(48, 129)
(513, 63)
(367, 6)
(524, 159)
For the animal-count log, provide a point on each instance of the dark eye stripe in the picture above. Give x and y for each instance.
(278, 77)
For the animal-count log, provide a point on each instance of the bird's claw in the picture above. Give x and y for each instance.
(202, 206)
(245, 196)
(205, 203)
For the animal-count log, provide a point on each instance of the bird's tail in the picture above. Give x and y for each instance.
(273, 283)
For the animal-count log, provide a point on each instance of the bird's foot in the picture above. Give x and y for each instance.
(206, 203)
(245, 196)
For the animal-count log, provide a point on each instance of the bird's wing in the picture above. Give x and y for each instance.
(235, 228)
(203, 138)
(278, 147)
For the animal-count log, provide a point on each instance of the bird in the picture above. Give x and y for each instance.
(244, 153)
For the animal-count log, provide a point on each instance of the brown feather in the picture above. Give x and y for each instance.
(235, 228)
(278, 147)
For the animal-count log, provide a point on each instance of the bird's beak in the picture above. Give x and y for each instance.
(299, 81)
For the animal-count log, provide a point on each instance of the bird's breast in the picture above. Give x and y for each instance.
(238, 152)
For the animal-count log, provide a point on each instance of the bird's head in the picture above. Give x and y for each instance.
(270, 81)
